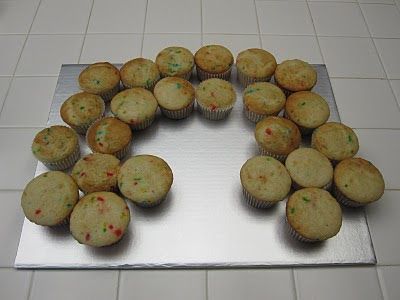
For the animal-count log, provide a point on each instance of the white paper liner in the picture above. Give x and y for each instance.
(107, 96)
(279, 157)
(340, 197)
(83, 128)
(149, 204)
(178, 114)
(65, 163)
(203, 75)
(255, 117)
(217, 114)
(297, 186)
(142, 125)
(253, 201)
(303, 130)
(246, 80)
(297, 236)
(185, 76)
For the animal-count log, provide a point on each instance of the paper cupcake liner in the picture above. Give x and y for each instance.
(297, 186)
(65, 163)
(149, 86)
(149, 204)
(303, 130)
(113, 189)
(203, 75)
(185, 76)
(279, 157)
(217, 114)
(82, 129)
(178, 114)
(123, 152)
(142, 125)
(246, 80)
(107, 96)
(298, 236)
(255, 117)
(252, 201)
(340, 197)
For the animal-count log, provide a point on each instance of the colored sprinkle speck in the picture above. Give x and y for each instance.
(137, 178)
(350, 138)
(45, 175)
(97, 81)
(305, 199)
(100, 198)
(292, 210)
(82, 108)
(87, 236)
(268, 131)
(213, 107)
(82, 174)
(86, 158)
(178, 85)
(110, 174)
(111, 227)
(148, 82)
(302, 104)
(69, 205)
(346, 185)
(38, 211)
(269, 158)
(99, 132)
(101, 144)
(118, 232)
(104, 229)
(249, 91)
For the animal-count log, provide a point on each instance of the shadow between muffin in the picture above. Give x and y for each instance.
(157, 211)
(58, 233)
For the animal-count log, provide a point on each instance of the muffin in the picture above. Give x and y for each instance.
(57, 147)
(145, 180)
(313, 215)
(262, 99)
(101, 79)
(213, 61)
(307, 110)
(49, 198)
(335, 140)
(277, 137)
(175, 62)
(80, 111)
(255, 65)
(109, 136)
(136, 107)
(265, 181)
(295, 75)
(140, 72)
(96, 172)
(357, 182)
(175, 96)
(309, 168)
(99, 219)
(215, 98)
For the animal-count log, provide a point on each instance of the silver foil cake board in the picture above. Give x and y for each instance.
(204, 222)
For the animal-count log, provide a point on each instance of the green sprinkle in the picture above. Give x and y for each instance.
(346, 185)
(302, 104)
(148, 82)
(104, 229)
(69, 205)
(269, 158)
(350, 138)
(99, 132)
(204, 88)
(305, 199)
(97, 81)
(249, 91)
(45, 175)
(292, 210)
(178, 51)
(98, 140)
(82, 108)
(178, 85)
(137, 178)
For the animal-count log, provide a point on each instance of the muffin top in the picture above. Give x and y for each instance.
(359, 180)
(265, 178)
(264, 98)
(216, 93)
(99, 78)
(314, 214)
(175, 61)
(309, 168)
(139, 72)
(145, 179)
(108, 135)
(99, 219)
(96, 172)
(49, 198)
(82, 109)
(214, 59)
(295, 75)
(174, 93)
(277, 135)
(54, 143)
(133, 106)
(256, 63)
(335, 140)
(307, 109)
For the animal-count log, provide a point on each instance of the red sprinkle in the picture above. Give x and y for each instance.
(101, 144)
(109, 174)
(38, 211)
(213, 107)
(87, 236)
(135, 183)
(118, 232)
(126, 207)
(100, 198)
(111, 227)
(268, 131)
(87, 158)
(82, 174)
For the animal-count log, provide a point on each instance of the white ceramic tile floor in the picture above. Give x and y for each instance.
(115, 30)
(35, 95)
(115, 48)
(366, 103)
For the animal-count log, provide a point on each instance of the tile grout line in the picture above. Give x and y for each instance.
(118, 283)
(381, 283)
(19, 57)
(144, 27)
(258, 24)
(207, 296)
(31, 285)
(295, 284)
(86, 29)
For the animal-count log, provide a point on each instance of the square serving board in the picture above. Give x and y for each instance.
(204, 222)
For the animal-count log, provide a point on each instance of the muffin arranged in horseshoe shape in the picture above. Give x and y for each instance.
(145, 180)
(140, 72)
(213, 61)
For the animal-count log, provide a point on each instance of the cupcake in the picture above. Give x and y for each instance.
(140, 72)
(335, 140)
(215, 98)
(357, 182)
(145, 180)
(265, 181)
(99, 219)
(136, 107)
(262, 99)
(109, 136)
(57, 147)
(175, 96)
(277, 137)
(213, 61)
(96, 172)
(175, 62)
(309, 168)
(100, 79)
(307, 110)
(49, 198)
(295, 75)
(80, 111)
(255, 65)
(313, 215)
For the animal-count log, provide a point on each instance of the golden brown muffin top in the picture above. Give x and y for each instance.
(99, 78)
(295, 75)
(256, 63)
(214, 59)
